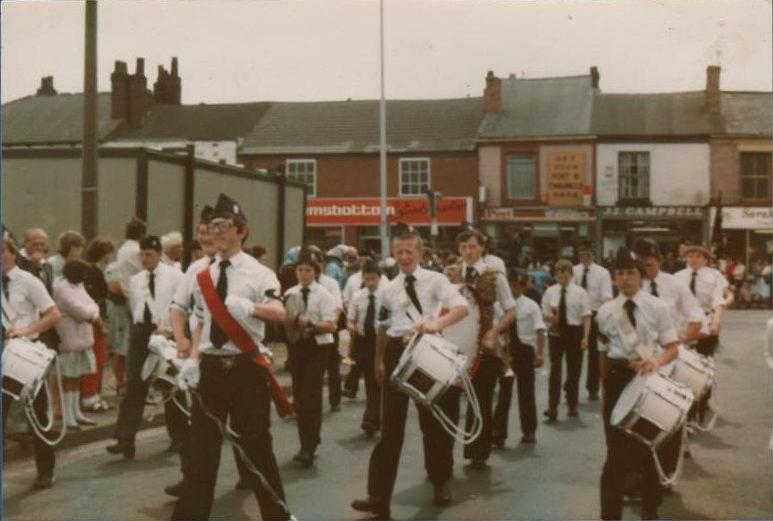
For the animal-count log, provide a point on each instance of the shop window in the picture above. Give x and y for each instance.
(304, 171)
(414, 176)
(634, 176)
(521, 177)
(755, 175)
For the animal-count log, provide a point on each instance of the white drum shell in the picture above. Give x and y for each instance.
(436, 359)
(657, 399)
(693, 370)
(26, 363)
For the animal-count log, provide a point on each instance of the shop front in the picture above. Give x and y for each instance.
(538, 234)
(668, 225)
(355, 220)
(748, 232)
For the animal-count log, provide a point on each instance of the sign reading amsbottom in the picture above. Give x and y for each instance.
(366, 211)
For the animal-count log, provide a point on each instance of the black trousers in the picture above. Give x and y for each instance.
(501, 415)
(483, 382)
(133, 404)
(352, 380)
(624, 454)
(523, 365)
(705, 347)
(44, 454)
(438, 444)
(242, 392)
(333, 373)
(567, 344)
(308, 367)
(592, 377)
(364, 353)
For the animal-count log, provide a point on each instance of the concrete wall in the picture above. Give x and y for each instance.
(117, 195)
(166, 197)
(679, 172)
(294, 217)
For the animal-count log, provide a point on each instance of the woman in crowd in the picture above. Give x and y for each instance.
(76, 357)
(98, 255)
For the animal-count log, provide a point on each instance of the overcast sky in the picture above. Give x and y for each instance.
(233, 51)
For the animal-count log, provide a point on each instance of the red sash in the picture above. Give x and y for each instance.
(241, 338)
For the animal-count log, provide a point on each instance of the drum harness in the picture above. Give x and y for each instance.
(464, 379)
(31, 389)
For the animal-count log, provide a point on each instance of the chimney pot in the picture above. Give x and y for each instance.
(595, 77)
(46, 86)
(140, 69)
(174, 67)
(120, 67)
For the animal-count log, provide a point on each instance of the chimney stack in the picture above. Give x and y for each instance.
(594, 77)
(174, 89)
(167, 89)
(712, 105)
(46, 86)
(119, 93)
(492, 94)
(140, 99)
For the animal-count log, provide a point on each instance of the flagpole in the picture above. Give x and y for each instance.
(382, 144)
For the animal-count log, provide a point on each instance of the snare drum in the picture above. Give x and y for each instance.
(651, 408)
(693, 370)
(429, 365)
(25, 364)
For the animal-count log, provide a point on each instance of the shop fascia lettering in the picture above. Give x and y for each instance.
(654, 211)
(347, 210)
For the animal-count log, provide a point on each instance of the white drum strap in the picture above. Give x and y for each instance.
(9, 315)
(29, 410)
(407, 304)
(452, 428)
(630, 337)
(665, 479)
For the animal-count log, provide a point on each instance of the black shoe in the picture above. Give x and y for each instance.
(175, 446)
(653, 514)
(349, 393)
(305, 458)
(373, 506)
(175, 490)
(528, 438)
(43, 481)
(122, 447)
(498, 443)
(593, 396)
(551, 414)
(572, 410)
(442, 496)
(243, 484)
(478, 464)
(335, 408)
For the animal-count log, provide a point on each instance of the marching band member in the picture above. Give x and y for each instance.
(490, 287)
(354, 284)
(150, 294)
(566, 308)
(426, 291)
(651, 320)
(228, 378)
(28, 310)
(713, 293)
(361, 315)
(527, 332)
(597, 282)
(310, 353)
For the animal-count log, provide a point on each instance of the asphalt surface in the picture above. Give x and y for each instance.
(728, 476)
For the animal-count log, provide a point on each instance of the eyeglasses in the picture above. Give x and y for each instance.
(220, 226)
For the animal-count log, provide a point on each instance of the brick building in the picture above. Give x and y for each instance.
(334, 148)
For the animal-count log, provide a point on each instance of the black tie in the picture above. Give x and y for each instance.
(6, 282)
(562, 322)
(692, 281)
(147, 315)
(216, 335)
(469, 275)
(630, 305)
(654, 288)
(370, 315)
(585, 278)
(411, 290)
(305, 294)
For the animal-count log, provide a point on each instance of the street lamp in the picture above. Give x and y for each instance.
(432, 199)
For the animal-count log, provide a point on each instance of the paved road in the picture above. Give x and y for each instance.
(728, 477)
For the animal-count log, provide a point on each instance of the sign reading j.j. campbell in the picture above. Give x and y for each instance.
(649, 212)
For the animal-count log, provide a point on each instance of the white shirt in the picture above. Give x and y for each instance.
(128, 263)
(577, 303)
(504, 295)
(354, 284)
(27, 299)
(358, 308)
(433, 290)
(529, 320)
(166, 280)
(683, 305)
(710, 286)
(653, 324)
(247, 278)
(321, 306)
(495, 262)
(185, 293)
(57, 264)
(599, 283)
(331, 284)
